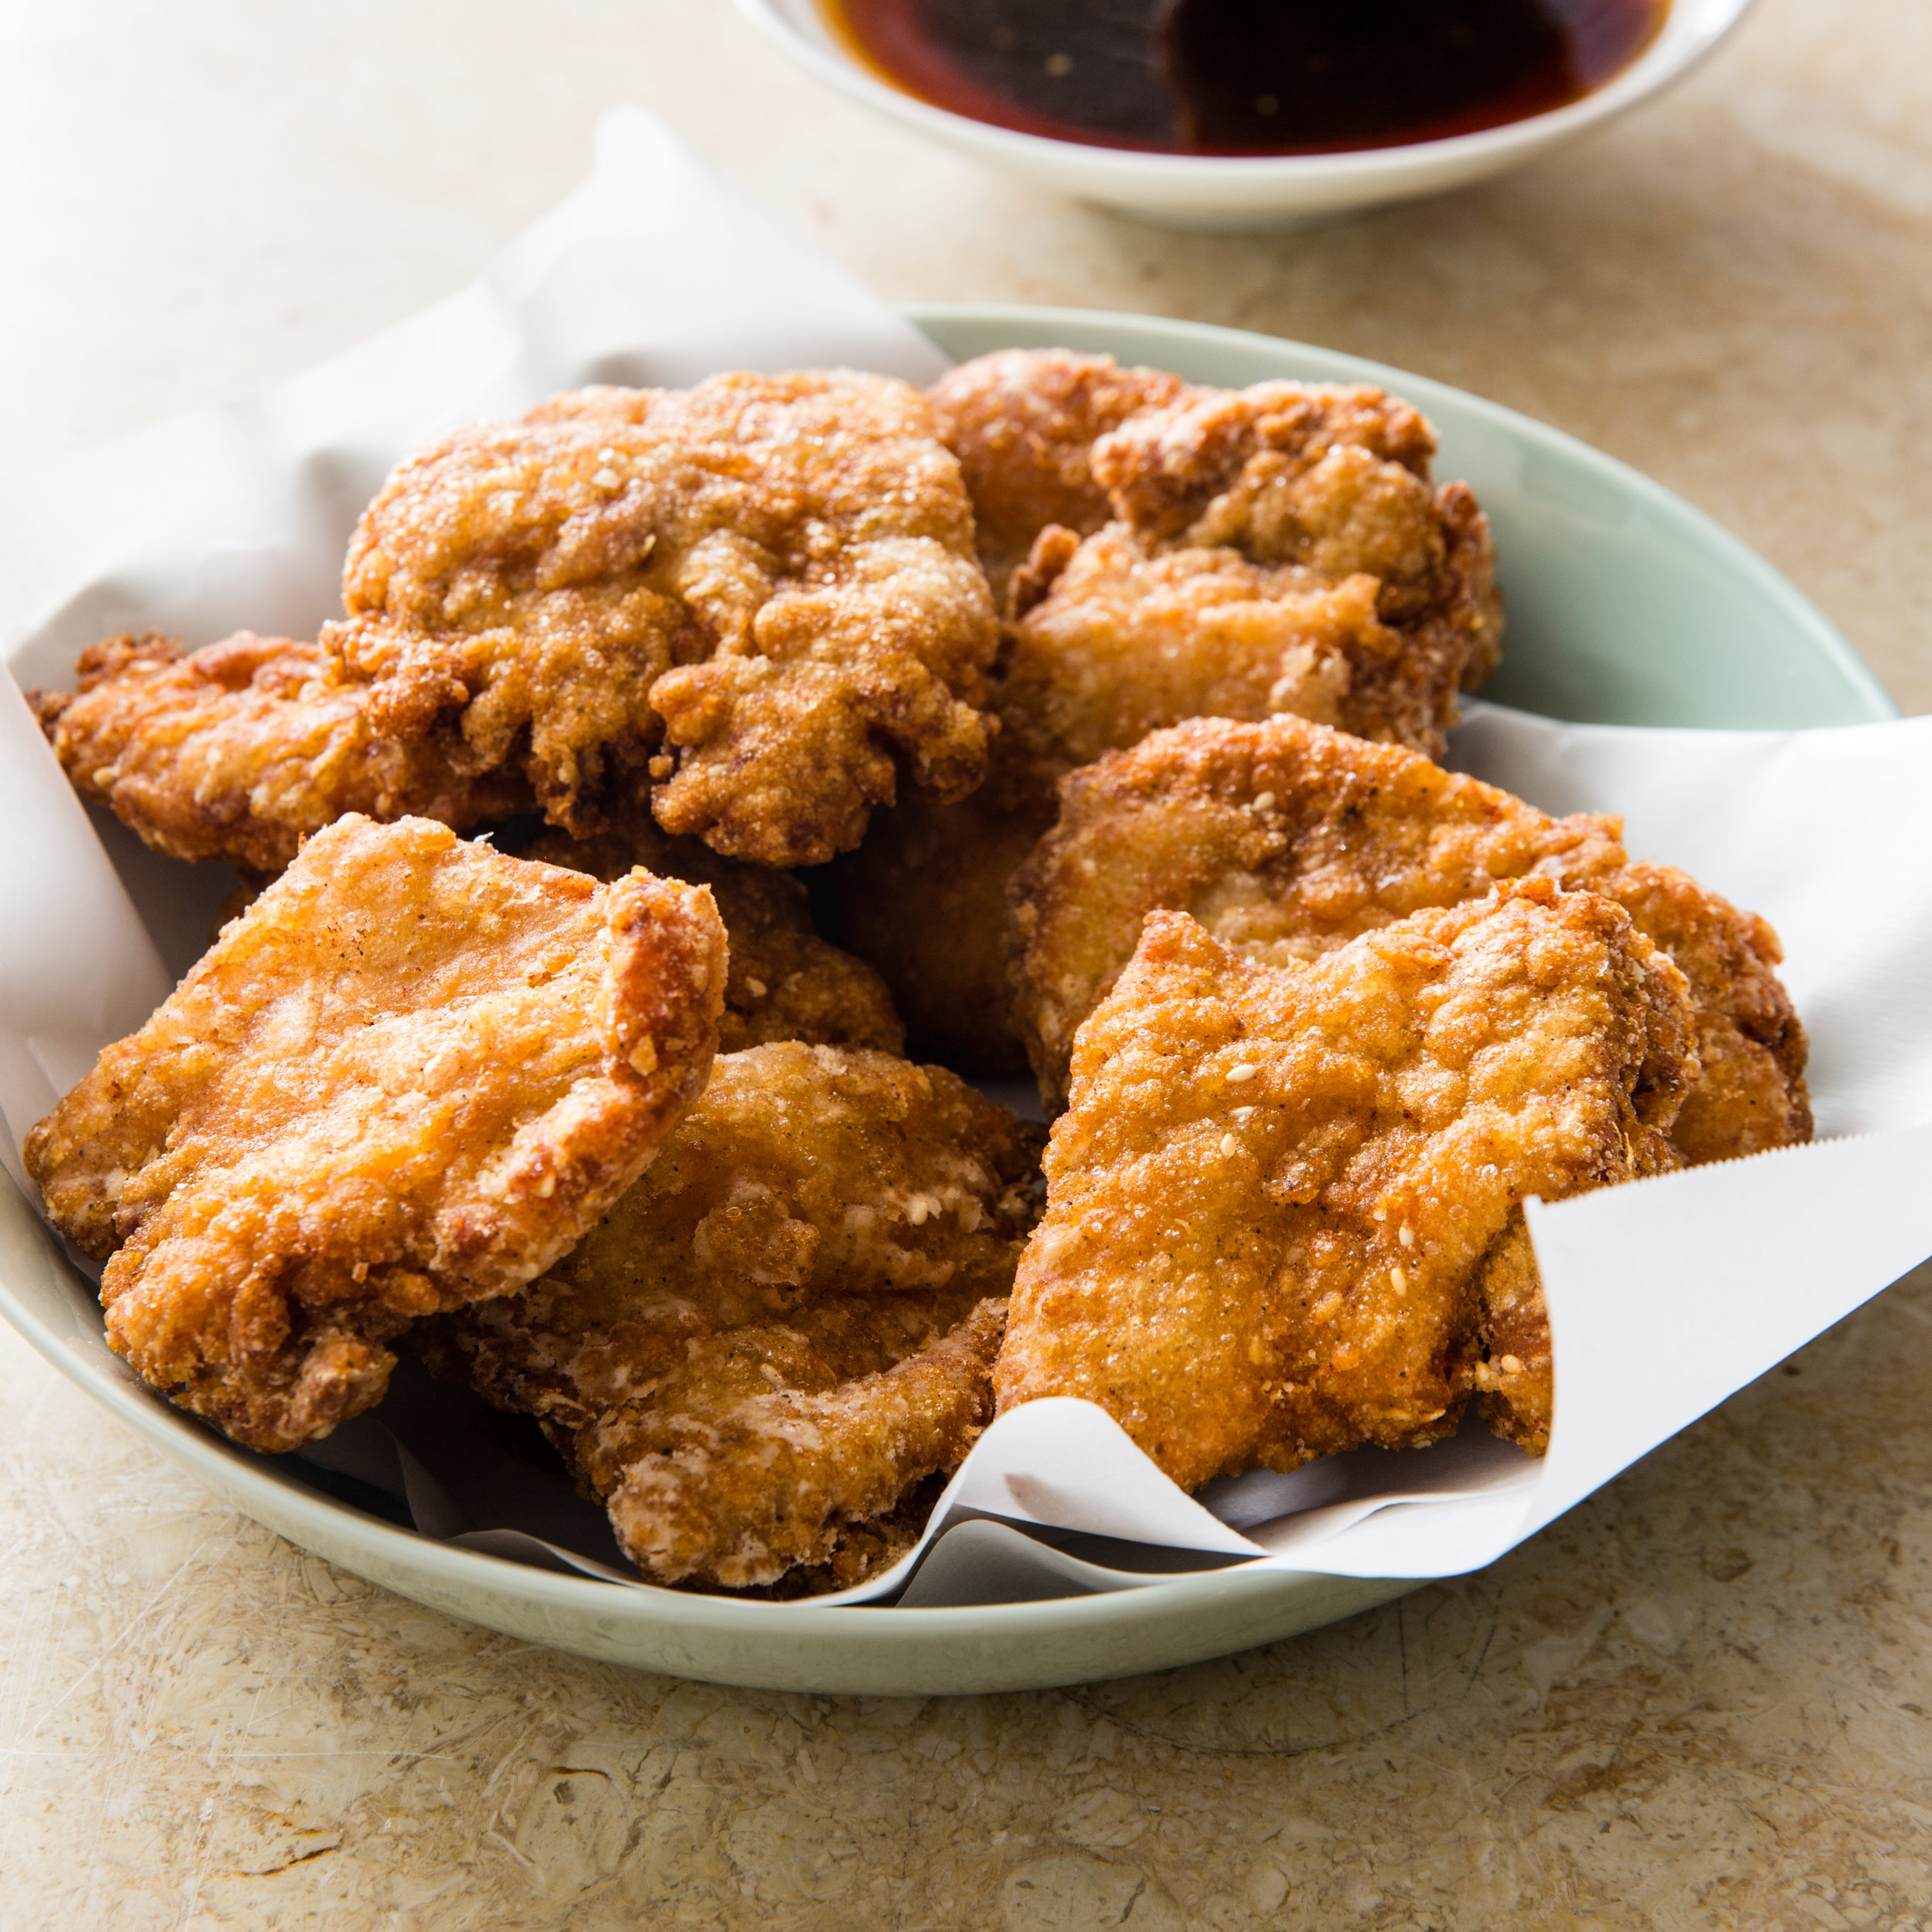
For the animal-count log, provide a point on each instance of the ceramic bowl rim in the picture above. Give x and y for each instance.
(1672, 53)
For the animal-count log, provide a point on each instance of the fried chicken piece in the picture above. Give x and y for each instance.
(239, 750)
(767, 580)
(784, 1326)
(1283, 838)
(1276, 549)
(1244, 466)
(784, 982)
(409, 1077)
(924, 900)
(864, 1549)
(1286, 840)
(761, 591)
(1023, 423)
(1752, 1093)
(1126, 639)
(1281, 1205)
(785, 1442)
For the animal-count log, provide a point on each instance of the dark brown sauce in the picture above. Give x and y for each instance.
(1246, 77)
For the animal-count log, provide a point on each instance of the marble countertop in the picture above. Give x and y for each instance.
(1704, 1699)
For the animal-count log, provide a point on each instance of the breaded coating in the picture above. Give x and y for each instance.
(1752, 1094)
(1247, 467)
(767, 580)
(785, 1442)
(760, 592)
(1277, 550)
(1297, 528)
(784, 1326)
(239, 750)
(408, 1077)
(1282, 1204)
(784, 982)
(1286, 840)
(864, 1549)
(1128, 641)
(1023, 423)
(1282, 838)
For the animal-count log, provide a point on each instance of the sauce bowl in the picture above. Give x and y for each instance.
(1252, 194)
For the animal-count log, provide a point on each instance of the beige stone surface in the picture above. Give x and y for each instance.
(1700, 1701)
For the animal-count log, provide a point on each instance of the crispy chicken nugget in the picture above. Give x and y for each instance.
(766, 581)
(1277, 1205)
(783, 1327)
(864, 1549)
(1126, 638)
(1277, 550)
(408, 1077)
(762, 591)
(1286, 840)
(239, 749)
(784, 1443)
(1023, 423)
(1751, 1094)
(784, 982)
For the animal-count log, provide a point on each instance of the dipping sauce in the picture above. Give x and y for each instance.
(1246, 77)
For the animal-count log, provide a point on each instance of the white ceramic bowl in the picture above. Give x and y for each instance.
(1252, 193)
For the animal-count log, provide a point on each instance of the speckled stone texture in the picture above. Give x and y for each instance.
(1701, 1701)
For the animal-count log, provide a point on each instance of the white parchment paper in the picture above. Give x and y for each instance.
(654, 273)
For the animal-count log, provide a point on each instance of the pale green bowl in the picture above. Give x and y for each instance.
(1625, 606)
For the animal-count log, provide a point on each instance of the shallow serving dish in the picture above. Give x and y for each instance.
(1241, 192)
(1626, 606)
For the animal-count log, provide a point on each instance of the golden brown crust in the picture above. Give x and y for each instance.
(1129, 640)
(1752, 1094)
(239, 750)
(1283, 837)
(864, 1550)
(409, 1077)
(1023, 423)
(785, 1325)
(1286, 839)
(784, 982)
(774, 1447)
(764, 586)
(1467, 617)
(1516, 1377)
(760, 592)
(1277, 550)
(1233, 465)
(1263, 497)
(1271, 1201)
